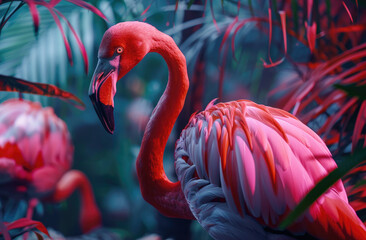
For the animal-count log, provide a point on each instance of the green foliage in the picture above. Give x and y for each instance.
(353, 90)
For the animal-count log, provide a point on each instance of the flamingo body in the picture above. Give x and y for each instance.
(242, 166)
(249, 165)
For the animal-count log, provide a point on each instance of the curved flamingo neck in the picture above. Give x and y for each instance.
(156, 188)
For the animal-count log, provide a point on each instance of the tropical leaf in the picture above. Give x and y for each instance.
(334, 88)
(51, 8)
(27, 225)
(323, 185)
(42, 59)
(12, 84)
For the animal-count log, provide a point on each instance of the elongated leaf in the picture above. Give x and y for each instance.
(348, 12)
(311, 35)
(25, 222)
(35, 14)
(67, 44)
(323, 185)
(213, 17)
(283, 23)
(12, 84)
(353, 90)
(80, 44)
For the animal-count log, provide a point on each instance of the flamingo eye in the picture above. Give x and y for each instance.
(119, 50)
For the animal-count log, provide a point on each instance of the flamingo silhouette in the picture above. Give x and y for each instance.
(241, 166)
(36, 154)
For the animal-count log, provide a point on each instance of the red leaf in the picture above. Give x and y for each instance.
(311, 35)
(81, 45)
(54, 2)
(35, 14)
(67, 45)
(347, 29)
(227, 32)
(213, 17)
(334, 118)
(329, 82)
(334, 97)
(283, 24)
(360, 123)
(145, 11)
(348, 12)
(12, 84)
(88, 6)
(25, 222)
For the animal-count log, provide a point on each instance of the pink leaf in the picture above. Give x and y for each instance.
(334, 97)
(54, 2)
(283, 24)
(348, 12)
(25, 222)
(270, 33)
(311, 35)
(213, 17)
(334, 118)
(35, 14)
(67, 45)
(145, 11)
(227, 32)
(81, 45)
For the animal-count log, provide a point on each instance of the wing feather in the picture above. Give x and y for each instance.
(263, 161)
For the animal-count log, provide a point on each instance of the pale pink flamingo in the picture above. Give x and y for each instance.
(242, 166)
(36, 154)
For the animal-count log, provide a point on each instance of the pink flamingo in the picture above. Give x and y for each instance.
(36, 154)
(242, 166)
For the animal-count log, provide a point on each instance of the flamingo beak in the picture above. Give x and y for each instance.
(102, 90)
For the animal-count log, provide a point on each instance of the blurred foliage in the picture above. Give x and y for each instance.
(216, 33)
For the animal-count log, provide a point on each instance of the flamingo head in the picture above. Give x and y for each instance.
(123, 46)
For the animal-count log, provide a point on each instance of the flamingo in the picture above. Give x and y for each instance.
(36, 154)
(242, 167)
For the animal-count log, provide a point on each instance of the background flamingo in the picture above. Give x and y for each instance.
(36, 154)
(242, 166)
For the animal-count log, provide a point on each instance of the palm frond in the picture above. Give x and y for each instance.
(315, 95)
(42, 59)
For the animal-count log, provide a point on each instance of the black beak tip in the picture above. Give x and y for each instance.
(105, 114)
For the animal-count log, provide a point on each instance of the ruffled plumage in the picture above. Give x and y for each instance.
(257, 163)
